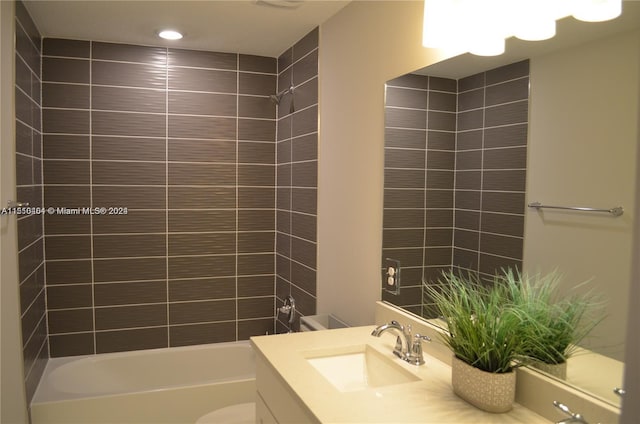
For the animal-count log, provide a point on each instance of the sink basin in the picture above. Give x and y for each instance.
(360, 368)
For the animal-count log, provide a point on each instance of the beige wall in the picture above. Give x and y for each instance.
(12, 401)
(630, 404)
(582, 147)
(361, 47)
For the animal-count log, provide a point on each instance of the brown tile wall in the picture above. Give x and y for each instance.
(29, 190)
(419, 171)
(297, 169)
(185, 140)
(455, 165)
(491, 161)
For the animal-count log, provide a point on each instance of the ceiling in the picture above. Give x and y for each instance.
(258, 27)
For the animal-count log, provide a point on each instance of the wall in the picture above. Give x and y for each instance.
(29, 190)
(455, 165)
(296, 176)
(420, 142)
(491, 152)
(185, 140)
(13, 403)
(586, 158)
(366, 44)
(630, 406)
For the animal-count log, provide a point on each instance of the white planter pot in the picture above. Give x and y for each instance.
(488, 391)
(555, 370)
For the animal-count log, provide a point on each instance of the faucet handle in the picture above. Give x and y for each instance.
(416, 347)
(415, 356)
(419, 337)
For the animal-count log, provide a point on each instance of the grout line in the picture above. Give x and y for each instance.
(98, 283)
(424, 190)
(93, 274)
(166, 193)
(482, 170)
(42, 185)
(289, 136)
(19, 22)
(181, 302)
(119, 329)
(275, 205)
(237, 167)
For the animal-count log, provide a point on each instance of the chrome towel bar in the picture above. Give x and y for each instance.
(616, 211)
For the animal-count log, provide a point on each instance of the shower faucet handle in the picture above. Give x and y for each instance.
(289, 308)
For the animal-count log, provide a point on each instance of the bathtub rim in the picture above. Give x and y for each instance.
(46, 394)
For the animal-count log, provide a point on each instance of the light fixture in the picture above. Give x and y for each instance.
(169, 34)
(597, 10)
(481, 26)
(536, 21)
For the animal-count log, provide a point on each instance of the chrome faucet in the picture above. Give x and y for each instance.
(573, 418)
(407, 348)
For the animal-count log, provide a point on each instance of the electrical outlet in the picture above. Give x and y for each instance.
(391, 276)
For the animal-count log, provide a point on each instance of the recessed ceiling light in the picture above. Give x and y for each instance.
(169, 34)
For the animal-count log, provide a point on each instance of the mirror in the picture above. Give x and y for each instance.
(470, 141)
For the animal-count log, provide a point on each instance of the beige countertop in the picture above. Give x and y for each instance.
(428, 400)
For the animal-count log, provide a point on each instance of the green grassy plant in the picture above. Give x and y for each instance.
(481, 330)
(512, 321)
(552, 325)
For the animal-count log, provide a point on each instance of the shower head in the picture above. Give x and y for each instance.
(277, 98)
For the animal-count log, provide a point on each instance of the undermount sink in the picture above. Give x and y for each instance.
(362, 367)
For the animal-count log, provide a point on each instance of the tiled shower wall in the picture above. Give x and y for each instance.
(491, 162)
(297, 169)
(420, 140)
(465, 208)
(185, 140)
(29, 190)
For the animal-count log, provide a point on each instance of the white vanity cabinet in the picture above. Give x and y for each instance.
(263, 415)
(292, 390)
(275, 401)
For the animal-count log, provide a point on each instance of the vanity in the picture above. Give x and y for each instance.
(292, 386)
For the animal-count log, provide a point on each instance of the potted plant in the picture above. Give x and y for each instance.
(552, 325)
(483, 332)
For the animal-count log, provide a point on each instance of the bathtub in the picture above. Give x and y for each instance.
(170, 385)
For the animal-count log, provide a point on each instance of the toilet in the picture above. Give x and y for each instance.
(241, 413)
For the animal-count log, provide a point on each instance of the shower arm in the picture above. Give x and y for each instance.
(278, 96)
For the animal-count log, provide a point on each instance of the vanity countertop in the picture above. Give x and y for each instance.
(428, 400)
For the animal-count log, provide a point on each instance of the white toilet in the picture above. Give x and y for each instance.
(241, 413)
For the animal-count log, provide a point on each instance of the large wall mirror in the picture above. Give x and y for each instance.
(471, 141)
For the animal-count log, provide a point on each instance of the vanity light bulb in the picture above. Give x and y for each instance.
(597, 10)
(438, 24)
(487, 46)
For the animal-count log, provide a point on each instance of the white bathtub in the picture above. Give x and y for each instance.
(173, 385)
